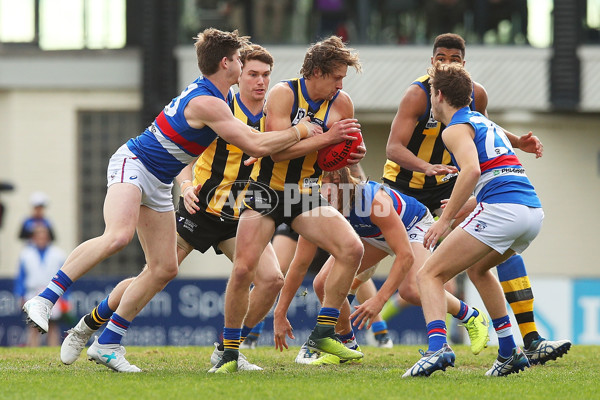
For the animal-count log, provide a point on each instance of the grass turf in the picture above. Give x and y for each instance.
(180, 372)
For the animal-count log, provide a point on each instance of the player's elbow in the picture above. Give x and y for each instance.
(472, 173)
(257, 150)
(391, 151)
(406, 258)
(278, 157)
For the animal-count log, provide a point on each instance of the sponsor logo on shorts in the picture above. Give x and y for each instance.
(187, 224)
(132, 177)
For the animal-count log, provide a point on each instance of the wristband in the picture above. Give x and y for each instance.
(297, 133)
(302, 129)
(184, 185)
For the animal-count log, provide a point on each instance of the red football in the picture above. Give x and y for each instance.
(334, 157)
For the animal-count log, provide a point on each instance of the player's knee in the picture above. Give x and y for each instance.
(118, 240)
(350, 253)
(270, 284)
(410, 293)
(242, 274)
(167, 272)
(423, 275)
(475, 275)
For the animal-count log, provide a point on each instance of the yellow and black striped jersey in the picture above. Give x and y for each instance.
(425, 143)
(302, 171)
(221, 170)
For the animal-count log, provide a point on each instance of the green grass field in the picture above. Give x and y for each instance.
(180, 372)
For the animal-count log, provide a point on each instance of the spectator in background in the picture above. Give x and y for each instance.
(269, 17)
(39, 202)
(443, 16)
(38, 263)
(489, 13)
(331, 15)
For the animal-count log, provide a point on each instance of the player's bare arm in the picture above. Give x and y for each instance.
(278, 107)
(389, 222)
(459, 141)
(412, 106)
(209, 111)
(305, 252)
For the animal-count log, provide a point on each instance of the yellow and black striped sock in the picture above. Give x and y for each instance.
(517, 290)
(93, 319)
(231, 339)
(326, 320)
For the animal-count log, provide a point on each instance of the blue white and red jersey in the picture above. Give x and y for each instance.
(503, 178)
(170, 143)
(408, 208)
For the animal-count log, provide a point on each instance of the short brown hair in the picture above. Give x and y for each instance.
(256, 52)
(449, 41)
(453, 81)
(328, 55)
(212, 45)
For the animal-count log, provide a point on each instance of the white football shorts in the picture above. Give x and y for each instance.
(504, 226)
(124, 167)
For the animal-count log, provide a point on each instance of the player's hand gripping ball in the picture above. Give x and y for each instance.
(336, 156)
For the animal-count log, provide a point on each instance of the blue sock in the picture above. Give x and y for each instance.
(104, 310)
(57, 287)
(466, 312)
(348, 336)
(506, 341)
(99, 315)
(436, 332)
(257, 330)
(115, 330)
(379, 328)
(244, 332)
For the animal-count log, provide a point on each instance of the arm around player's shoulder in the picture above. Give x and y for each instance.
(210, 111)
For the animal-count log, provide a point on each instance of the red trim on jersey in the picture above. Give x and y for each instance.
(397, 196)
(166, 128)
(500, 161)
(373, 236)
